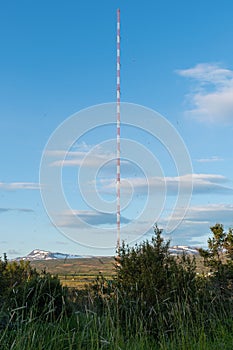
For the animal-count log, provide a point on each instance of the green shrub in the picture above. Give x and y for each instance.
(27, 294)
(149, 283)
(12, 275)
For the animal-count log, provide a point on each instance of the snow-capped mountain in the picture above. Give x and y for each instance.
(38, 254)
(180, 249)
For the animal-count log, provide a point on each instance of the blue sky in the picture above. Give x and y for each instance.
(59, 58)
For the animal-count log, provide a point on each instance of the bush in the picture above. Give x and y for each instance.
(12, 275)
(148, 270)
(154, 281)
(27, 294)
(150, 283)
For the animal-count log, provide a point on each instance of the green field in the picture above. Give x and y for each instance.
(77, 272)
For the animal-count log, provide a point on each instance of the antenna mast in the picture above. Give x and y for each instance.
(118, 131)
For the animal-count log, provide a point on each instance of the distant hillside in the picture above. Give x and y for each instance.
(38, 254)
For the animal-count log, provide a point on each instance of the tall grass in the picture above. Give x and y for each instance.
(87, 328)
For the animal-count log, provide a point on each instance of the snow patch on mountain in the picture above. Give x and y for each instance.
(183, 249)
(38, 254)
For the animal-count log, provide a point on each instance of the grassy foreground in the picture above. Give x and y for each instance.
(154, 301)
(89, 331)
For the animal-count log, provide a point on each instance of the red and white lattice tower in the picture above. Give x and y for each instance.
(118, 132)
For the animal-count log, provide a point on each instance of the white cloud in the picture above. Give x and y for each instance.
(92, 218)
(210, 159)
(208, 213)
(207, 73)
(85, 158)
(76, 150)
(61, 242)
(202, 183)
(20, 210)
(195, 226)
(19, 186)
(212, 96)
(13, 252)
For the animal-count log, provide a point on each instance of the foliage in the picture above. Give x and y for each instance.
(12, 275)
(220, 244)
(89, 331)
(150, 272)
(156, 301)
(149, 280)
(163, 290)
(219, 258)
(27, 294)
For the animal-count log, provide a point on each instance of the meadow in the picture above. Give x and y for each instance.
(76, 273)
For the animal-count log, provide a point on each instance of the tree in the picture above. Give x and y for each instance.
(219, 258)
(220, 248)
(228, 244)
(149, 280)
